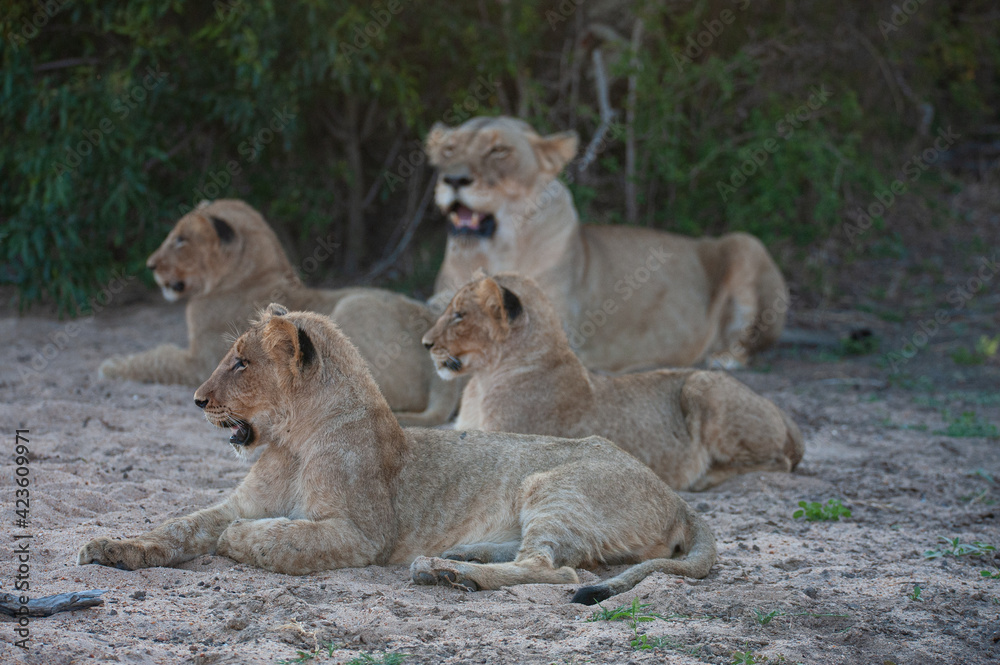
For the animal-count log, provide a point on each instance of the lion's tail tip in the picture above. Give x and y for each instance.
(591, 595)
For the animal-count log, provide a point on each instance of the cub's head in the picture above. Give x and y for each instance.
(486, 165)
(215, 244)
(473, 329)
(285, 366)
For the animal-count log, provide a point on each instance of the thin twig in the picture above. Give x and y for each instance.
(412, 201)
(631, 198)
(368, 124)
(607, 113)
(883, 65)
(853, 381)
(373, 190)
(153, 161)
(331, 126)
(404, 242)
(66, 62)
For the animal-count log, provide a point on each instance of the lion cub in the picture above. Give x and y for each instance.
(343, 485)
(225, 259)
(694, 428)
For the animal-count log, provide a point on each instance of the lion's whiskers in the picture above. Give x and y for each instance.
(232, 334)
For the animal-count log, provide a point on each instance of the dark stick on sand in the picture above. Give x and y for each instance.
(49, 605)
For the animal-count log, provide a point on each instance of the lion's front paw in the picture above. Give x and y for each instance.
(251, 542)
(432, 570)
(234, 542)
(124, 554)
(113, 368)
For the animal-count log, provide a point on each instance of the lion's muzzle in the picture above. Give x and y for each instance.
(243, 433)
(464, 221)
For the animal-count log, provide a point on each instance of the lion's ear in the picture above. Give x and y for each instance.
(511, 304)
(223, 230)
(274, 309)
(555, 150)
(307, 351)
(287, 343)
(491, 298)
(435, 139)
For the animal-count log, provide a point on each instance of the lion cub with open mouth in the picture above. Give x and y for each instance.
(343, 485)
(693, 428)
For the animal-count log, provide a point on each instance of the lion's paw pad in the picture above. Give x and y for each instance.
(430, 571)
(424, 578)
(449, 578)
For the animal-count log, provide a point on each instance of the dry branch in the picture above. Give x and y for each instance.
(49, 605)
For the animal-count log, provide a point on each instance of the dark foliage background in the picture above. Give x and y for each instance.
(119, 116)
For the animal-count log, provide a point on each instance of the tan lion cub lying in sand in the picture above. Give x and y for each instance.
(228, 262)
(343, 485)
(693, 428)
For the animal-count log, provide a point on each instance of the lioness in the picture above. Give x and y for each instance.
(228, 262)
(694, 428)
(342, 484)
(629, 298)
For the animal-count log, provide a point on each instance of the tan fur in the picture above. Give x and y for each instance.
(342, 485)
(226, 282)
(694, 428)
(629, 298)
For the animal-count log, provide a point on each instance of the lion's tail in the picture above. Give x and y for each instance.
(697, 563)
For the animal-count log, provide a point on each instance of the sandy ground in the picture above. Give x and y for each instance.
(113, 459)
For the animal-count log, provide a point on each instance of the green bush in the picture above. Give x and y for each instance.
(119, 116)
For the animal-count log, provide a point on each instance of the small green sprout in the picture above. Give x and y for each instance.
(815, 511)
(953, 547)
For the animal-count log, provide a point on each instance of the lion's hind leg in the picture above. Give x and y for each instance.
(604, 506)
(475, 576)
(741, 431)
(689, 536)
(554, 537)
(751, 301)
(484, 552)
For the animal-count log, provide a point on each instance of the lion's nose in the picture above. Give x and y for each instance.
(428, 345)
(151, 266)
(457, 181)
(200, 403)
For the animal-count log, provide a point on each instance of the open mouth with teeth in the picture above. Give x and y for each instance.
(243, 434)
(463, 220)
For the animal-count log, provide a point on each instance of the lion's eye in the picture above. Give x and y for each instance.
(180, 242)
(499, 151)
(457, 316)
(239, 365)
